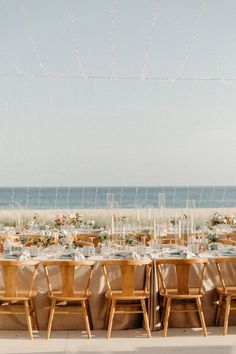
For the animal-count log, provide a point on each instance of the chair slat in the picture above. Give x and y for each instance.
(128, 273)
(182, 273)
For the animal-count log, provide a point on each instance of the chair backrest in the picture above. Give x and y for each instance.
(91, 238)
(128, 269)
(223, 273)
(67, 272)
(231, 235)
(140, 238)
(182, 271)
(172, 240)
(225, 241)
(10, 272)
(14, 238)
(82, 243)
(32, 240)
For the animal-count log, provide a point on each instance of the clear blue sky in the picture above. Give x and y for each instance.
(73, 131)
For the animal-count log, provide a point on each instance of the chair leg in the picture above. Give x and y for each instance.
(89, 314)
(227, 310)
(145, 317)
(51, 315)
(201, 315)
(86, 319)
(112, 312)
(108, 309)
(163, 309)
(218, 310)
(28, 318)
(167, 314)
(34, 316)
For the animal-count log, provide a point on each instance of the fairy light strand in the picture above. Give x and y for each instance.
(75, 38)
(9, 59)
(191, 41)
(143, 73)
(32, 40)
(132, 78)
(113, 39)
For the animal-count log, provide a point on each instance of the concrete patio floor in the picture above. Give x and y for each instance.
(180, 341)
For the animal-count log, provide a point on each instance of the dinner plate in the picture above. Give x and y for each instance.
(10, 256)
(66, 256)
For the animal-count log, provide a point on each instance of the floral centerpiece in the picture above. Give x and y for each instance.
(175, 220)
(130, 241)
(104, 236)
(212, 236)
(74, 220)
(217, 219)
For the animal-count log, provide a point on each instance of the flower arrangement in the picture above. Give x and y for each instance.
(175, 220)
(212, 236)
(120, 219)
(217, 219)
(130, 241)
(74, 220)
(56, 237)
(104, 236)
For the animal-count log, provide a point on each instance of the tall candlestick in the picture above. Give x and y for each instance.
(149, 213)
(123, 231)
(154, 230)
(179, 228)
(192, 224)
(138, 216)
(112, 225)
(18, 220)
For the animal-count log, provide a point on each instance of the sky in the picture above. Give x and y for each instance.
(97, 93)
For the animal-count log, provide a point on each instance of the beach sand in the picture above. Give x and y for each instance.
(103, 216)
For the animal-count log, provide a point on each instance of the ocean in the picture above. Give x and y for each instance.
(122, 197)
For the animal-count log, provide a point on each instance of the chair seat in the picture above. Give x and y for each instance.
(78, 295)
(21, 296)
(231, 290)
(174, 294)
(117, 295)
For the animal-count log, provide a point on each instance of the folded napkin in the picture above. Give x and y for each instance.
(227, 253)
(96, 257)
(24, 257)
(127, 255)
(79, 256)
(10, 256)
(179, 253)
(66, 256)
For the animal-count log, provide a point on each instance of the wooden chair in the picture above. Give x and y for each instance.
(128, 295)
(171, 241)
(14, 238)
(183, 290)
(231, 236)
(227, 241)
(32, 240)
(82, 243)
(11, 296)
(90, 238)
(141, 238)
(227, 293)
(67, 295)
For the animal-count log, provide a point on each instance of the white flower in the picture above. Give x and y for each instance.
(48, 233)
(30, 223)
(64, 232)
